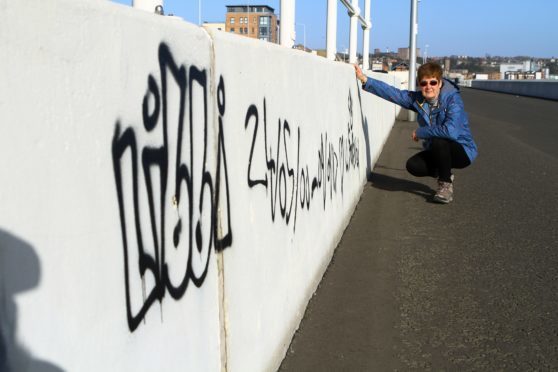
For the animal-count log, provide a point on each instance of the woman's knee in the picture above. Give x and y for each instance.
(415, 167)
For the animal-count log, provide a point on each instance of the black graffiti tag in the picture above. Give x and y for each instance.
(292, 186)
(277, 165)
(183, 195)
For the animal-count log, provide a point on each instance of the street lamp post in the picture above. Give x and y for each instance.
(304, 34)
(413, 52)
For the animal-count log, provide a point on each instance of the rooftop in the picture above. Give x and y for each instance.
(253, 9)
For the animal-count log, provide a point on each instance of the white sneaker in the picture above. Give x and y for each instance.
(444, 194)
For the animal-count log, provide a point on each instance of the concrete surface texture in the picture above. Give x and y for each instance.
(472, 285)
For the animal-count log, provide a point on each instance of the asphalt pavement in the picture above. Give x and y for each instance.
(472, 285)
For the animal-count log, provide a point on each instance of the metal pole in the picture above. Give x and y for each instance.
(366, 37)
(287, 33)
(353, 32)
(413, 53)
(304, 30)
(303, 34)
(331, 41)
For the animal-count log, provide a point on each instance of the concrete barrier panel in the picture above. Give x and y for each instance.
(294, 140)
(102, 265)
(529, 88)
(297, 132)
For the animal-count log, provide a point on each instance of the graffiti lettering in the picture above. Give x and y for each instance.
(197, 187)
(279, 178)
(278, 168)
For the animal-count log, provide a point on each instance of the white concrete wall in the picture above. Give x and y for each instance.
(531, 88)
(169, 199)
(74, 76)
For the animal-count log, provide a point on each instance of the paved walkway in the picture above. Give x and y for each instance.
(472, 285)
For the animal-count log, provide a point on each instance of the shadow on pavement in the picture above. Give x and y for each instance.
(389, 183)
(389, 168)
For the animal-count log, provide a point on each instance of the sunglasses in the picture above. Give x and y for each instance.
(432, 83)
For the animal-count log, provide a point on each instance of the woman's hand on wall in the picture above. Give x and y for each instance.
(359, 75)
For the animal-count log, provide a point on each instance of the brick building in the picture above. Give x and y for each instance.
(255, 21)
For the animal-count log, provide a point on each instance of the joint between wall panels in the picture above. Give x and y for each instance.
(222, 312)
(223, 337)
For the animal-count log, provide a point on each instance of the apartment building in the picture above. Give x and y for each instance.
(255, 21)
(404, 53)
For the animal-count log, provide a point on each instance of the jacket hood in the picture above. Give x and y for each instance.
(449, 87)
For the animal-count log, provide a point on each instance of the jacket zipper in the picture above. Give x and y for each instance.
(429, 114)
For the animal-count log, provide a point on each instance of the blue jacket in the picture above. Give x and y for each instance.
(448, 120)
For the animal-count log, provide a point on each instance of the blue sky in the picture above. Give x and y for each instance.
(460, 27)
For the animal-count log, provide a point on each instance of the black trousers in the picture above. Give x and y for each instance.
(438, 160)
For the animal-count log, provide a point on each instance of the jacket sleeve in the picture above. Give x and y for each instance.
(403, 98)
(452, 124)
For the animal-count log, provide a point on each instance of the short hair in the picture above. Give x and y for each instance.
(430, 69)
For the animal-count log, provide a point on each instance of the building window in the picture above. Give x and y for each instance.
(246, 20)
(263, 31)
(254, 20)
(232, 20)
(246, 30)
(264, 20)
(232, 29)
(241, 20)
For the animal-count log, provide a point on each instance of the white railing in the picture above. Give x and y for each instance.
(287, 30)
(354, 13)
(288, 26)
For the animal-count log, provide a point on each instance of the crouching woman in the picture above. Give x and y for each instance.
(443, 125)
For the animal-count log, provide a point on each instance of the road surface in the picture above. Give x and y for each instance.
(472, 285)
